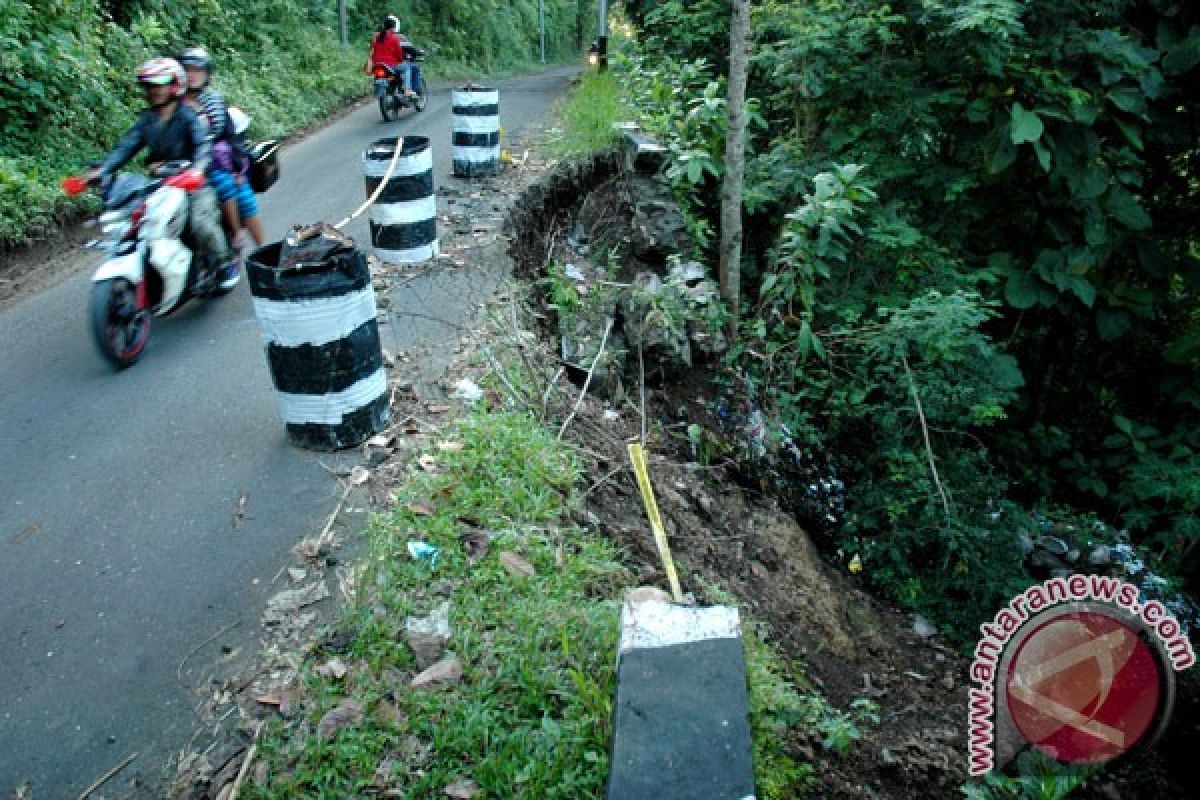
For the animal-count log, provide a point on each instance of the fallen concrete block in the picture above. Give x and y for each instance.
(681, 728)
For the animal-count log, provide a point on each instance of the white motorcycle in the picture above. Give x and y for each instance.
(151, 268)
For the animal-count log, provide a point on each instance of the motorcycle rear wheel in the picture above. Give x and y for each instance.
(422, 98)
(119, 327)
(387, 107)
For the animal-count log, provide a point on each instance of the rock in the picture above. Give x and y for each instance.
(1025, 544)
(923, 627)
(1100, 556)
(888, 759)
(1053, 545)
(448, 670)
(427, 636)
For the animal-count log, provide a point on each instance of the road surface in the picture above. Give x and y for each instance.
(118, 556)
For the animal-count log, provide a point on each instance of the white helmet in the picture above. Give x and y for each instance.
(240, 120)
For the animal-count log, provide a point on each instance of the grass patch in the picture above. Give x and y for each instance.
(531, 717)
(588, 115)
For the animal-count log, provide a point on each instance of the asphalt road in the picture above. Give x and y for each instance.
(117, 551)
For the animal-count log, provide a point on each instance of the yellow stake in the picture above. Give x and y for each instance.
(638, 456)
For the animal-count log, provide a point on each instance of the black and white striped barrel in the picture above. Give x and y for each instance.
(476, 131)
(404, 216)
(322, 340)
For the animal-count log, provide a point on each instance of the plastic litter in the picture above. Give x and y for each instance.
(424, 551)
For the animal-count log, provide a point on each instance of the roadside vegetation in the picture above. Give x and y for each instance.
(68, 91)
(520, 702)
(970, 271)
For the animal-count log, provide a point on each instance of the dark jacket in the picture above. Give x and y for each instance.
(182, 137)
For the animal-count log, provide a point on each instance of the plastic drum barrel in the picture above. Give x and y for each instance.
(322, 343)
(476, 112)
(404, 216)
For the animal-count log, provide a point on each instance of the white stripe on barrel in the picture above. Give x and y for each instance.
(318, 323)
(332, 408)
(476, 138)
(404, 216)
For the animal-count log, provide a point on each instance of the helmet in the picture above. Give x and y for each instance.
(391, 22)
(240, 120)
(163, 72)
(196, 57)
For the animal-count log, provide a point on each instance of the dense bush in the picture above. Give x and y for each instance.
(68, 93)
(984, 205)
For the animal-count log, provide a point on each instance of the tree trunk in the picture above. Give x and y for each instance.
(730, 270)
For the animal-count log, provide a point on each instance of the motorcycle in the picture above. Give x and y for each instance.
(152, 267)
(389, 85)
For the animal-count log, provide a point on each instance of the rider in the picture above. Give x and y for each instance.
(226, 173)
(170, 131)
(388, 49)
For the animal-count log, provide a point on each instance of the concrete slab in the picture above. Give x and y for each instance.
(681, 728)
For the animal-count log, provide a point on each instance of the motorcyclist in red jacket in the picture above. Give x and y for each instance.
(387, 48)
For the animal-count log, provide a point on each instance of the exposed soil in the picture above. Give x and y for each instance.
(727, 528)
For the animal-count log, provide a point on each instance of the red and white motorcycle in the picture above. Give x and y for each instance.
(152, 267)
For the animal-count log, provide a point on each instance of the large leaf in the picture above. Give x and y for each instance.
(1128, 98)
(1125, 209)
(1021, 290)
(1184, 55)
(1025, 126)
(1111, 324)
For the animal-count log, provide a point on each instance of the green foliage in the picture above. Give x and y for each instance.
(589, 115)
(1017, 251)
(1038, 778)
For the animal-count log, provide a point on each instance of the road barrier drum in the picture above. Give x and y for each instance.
(476, 131)
(404, 215)
(322, 340)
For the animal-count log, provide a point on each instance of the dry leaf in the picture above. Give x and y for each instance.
(272, 698)
(390, 715)
(359, 476)
(428, 463)
(334, 668)
(462, 790)
(476, 543)
(450, 447)
(420, 509)
(438, 409)
(448, 670)
(517, 565)
(348, 712)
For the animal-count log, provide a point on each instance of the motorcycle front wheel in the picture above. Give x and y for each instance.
(120, 327)
(387, 107)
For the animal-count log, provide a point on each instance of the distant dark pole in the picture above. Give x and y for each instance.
(602, 39)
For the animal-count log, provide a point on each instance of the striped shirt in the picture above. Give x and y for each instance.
(215, 112)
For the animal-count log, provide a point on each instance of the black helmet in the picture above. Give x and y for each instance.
(196, 57)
